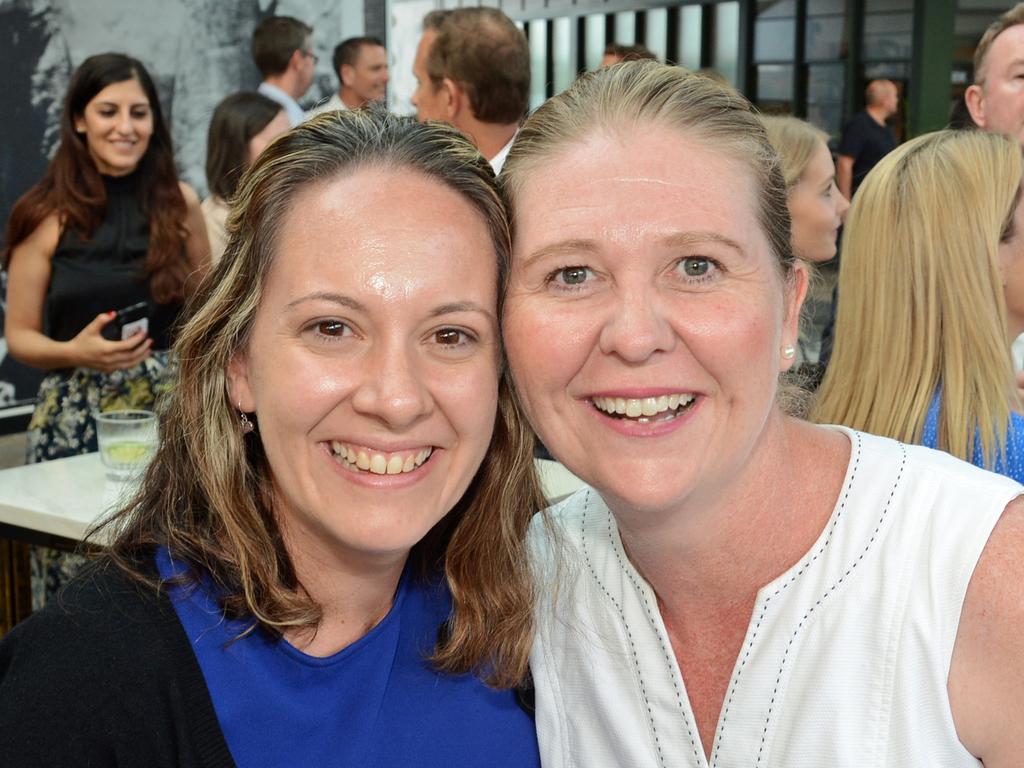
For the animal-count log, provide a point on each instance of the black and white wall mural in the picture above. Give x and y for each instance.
(197, 52)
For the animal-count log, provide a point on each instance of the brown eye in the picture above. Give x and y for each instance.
(331, 328)
(448, 337)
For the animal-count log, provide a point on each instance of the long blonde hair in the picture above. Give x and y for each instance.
(207, 496)
(796, 142)
(921, 304)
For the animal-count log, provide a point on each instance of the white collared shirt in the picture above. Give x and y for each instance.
(498, 161)
(330, 105)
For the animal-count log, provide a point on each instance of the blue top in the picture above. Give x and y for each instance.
(375, 703)
(1011, 463)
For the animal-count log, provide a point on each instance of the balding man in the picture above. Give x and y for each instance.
(996, 99)
(472, 70)
(867, 138)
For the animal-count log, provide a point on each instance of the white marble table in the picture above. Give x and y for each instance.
(59, 498)
(64, 497)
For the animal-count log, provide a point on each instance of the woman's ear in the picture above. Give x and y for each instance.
(239, 389)
(796, 292)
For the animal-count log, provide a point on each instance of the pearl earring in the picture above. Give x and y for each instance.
(788, 352)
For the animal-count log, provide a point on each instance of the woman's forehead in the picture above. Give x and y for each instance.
(652, 172)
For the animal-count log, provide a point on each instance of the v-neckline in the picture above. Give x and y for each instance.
(765, 596)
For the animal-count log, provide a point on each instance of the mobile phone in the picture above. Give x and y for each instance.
(128, 321)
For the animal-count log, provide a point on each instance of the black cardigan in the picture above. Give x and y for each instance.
(105, 676)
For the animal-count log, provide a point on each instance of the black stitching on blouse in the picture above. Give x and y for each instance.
(844, 496)
(622, 616)
(828, 592)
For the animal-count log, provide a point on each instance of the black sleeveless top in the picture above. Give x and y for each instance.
(107, 271)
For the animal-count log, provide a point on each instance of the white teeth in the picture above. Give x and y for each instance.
(642, 407)
(378, 463)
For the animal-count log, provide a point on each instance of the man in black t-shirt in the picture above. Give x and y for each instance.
(866, 138)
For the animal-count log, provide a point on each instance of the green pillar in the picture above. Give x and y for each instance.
(931, 65)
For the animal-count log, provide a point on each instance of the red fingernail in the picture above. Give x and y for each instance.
(111, 313)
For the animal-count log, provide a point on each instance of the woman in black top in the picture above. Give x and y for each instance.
(109, 226)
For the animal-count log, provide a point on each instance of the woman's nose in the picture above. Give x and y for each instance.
(637, 327)
(393, 388)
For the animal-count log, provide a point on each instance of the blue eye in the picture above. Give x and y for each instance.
(573, 275)
(695, 266)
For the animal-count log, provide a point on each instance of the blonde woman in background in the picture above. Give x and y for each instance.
(816, 209)
(932, 285)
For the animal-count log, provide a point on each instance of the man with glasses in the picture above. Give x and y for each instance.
(282, 48)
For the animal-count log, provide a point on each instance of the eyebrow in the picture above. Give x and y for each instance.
(350, 303)
(334, 298)
(576, 246)
(460, 306)
(691, 238)
(561, 248)
(133, 105)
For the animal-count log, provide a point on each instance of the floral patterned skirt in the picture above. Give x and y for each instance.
(62, 426)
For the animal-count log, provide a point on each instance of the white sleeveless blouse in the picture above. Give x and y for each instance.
(846, 657)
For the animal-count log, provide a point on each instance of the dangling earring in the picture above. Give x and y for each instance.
(247, 426)
(787, 352)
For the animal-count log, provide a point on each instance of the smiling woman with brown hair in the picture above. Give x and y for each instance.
(325, 563)
(109, 227)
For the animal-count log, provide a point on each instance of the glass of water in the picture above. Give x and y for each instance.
(127, 440)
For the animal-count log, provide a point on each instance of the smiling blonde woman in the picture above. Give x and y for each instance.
(735, 587)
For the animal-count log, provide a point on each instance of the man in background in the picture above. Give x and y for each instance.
(996, 99)
(472, 70)
(362, 67)
(282, 48)
(867, 138)
(615, 52)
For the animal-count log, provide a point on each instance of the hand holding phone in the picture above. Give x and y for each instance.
(128, 321)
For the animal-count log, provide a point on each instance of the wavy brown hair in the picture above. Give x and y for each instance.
(73, 188)
(207, 495)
